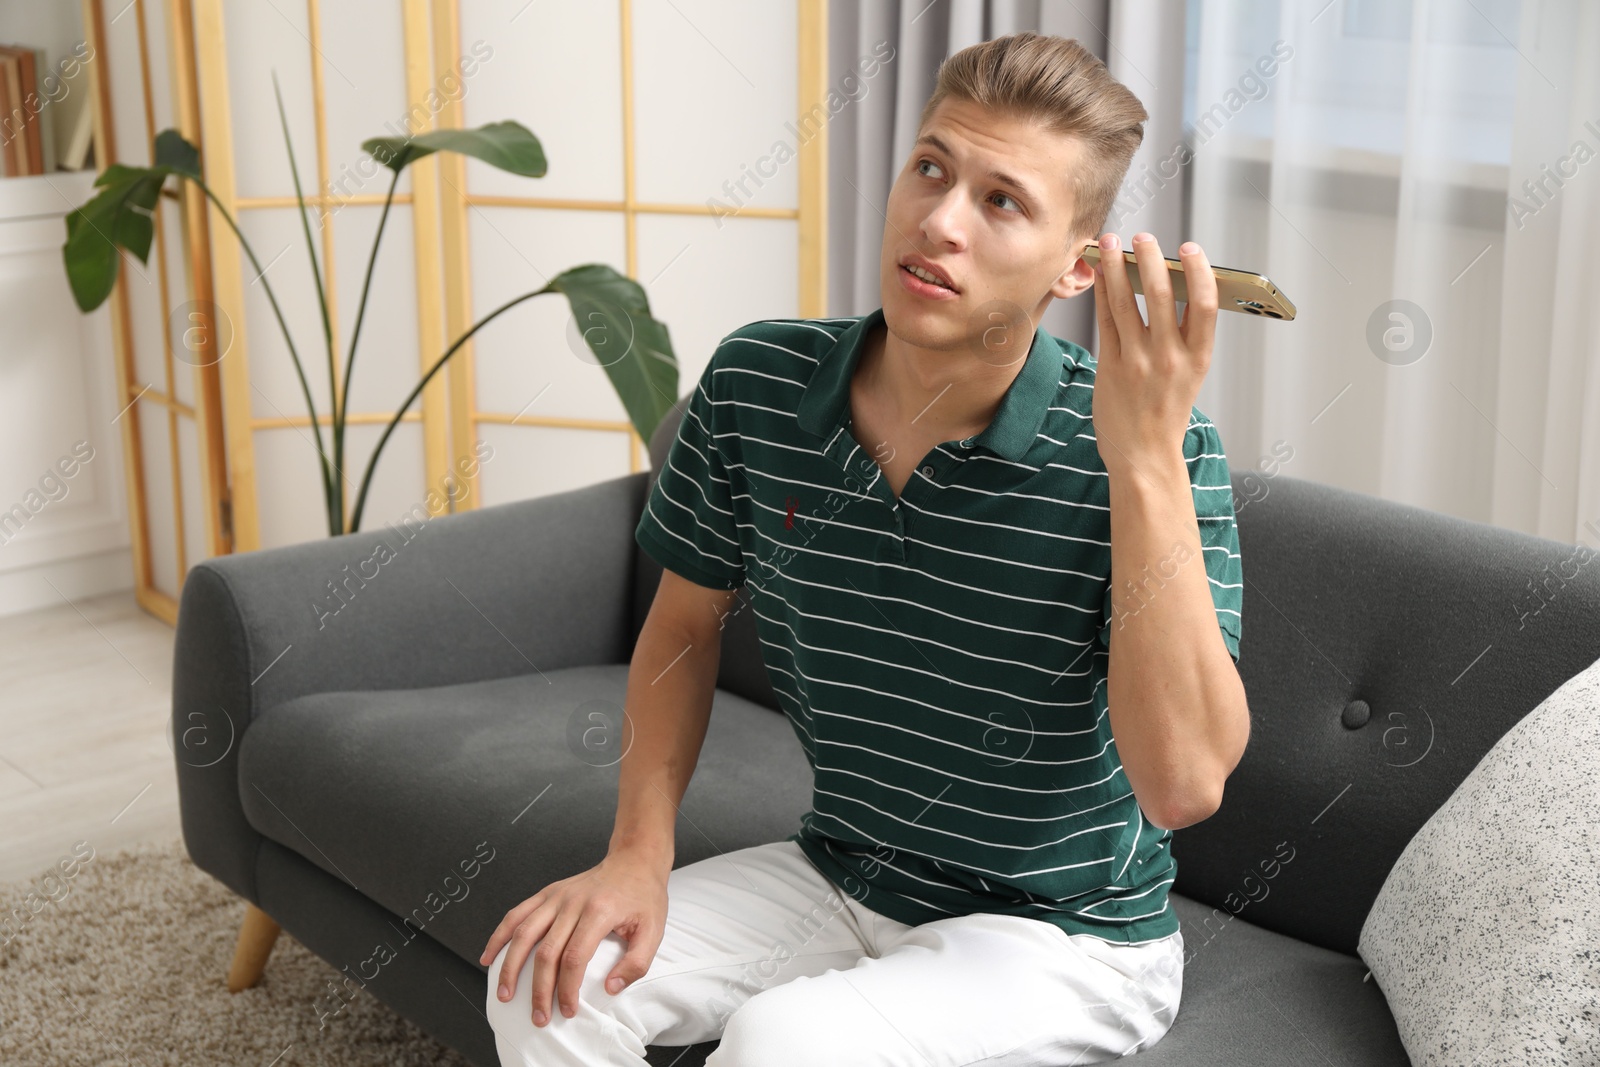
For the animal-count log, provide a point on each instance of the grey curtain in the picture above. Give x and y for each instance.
(1142, 42)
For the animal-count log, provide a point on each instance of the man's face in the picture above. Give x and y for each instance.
(1002, 241)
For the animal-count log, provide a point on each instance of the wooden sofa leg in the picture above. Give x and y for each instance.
(256, 938)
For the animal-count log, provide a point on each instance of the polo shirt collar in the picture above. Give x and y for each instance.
(1010, 434)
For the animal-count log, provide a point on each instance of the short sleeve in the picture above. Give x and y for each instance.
(688, 522)
(1219, 530)
(1211, 487)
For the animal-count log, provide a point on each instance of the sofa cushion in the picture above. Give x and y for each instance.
(452, 804)
(1255, 998)
(391, 791)
(1484, 935)
(1251, 998)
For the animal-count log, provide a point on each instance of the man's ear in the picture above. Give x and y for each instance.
(1076, 278)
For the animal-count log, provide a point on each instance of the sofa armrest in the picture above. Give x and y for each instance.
(517, 588)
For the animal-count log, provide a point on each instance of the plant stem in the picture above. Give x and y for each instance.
(335, 499)
(372, 463)
(355, 334)
(316, 428)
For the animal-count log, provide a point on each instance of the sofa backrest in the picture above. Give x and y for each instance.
(1385, 649)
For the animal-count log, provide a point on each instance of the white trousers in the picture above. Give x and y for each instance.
(763, 951)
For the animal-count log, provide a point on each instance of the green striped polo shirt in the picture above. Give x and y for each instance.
(941, 656)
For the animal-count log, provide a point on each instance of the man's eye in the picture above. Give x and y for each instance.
(921, 163)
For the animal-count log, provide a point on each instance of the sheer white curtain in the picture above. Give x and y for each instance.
(1421, 179)
(1359, 153)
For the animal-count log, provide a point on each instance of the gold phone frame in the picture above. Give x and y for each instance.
(1237, 290)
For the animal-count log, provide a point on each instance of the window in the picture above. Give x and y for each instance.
(1352, 73)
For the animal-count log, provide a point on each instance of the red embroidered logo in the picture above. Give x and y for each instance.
(788, 519)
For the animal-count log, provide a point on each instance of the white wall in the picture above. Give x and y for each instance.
(60, 535)
(715, 89)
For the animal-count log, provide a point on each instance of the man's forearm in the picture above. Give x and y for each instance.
(668, 707)
(1176, 702)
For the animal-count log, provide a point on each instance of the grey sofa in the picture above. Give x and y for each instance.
(435, 747)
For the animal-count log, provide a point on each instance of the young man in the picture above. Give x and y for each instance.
(929, 509)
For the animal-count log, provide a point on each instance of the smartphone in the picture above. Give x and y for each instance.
(1237, 290)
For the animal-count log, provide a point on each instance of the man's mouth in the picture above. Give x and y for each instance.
(927, 276)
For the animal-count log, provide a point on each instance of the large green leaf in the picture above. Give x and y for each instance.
(119, 217)
(135, 223)
(508, 145)
(118, 174)
(177, 155)
(91, 260)
(612, 316)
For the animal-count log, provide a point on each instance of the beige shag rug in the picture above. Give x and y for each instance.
(128, 966)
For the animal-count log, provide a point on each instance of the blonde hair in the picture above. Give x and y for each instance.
(1065, 88)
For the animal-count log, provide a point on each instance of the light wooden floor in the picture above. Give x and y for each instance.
(85, 749)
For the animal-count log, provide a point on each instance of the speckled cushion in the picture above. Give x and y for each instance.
(1485, 938)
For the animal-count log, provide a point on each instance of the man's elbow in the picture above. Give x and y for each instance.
(1177, 815)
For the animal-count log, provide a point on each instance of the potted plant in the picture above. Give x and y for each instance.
(611, 309)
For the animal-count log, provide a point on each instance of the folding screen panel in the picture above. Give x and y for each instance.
(680, 153)
(167, 384)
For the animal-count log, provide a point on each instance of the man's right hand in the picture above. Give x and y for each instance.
(626, 893)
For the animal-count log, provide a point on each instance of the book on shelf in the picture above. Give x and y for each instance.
(47, 126)
(22, 123)
(74, 120)
(13, 135)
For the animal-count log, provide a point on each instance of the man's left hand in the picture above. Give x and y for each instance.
(1147, 377)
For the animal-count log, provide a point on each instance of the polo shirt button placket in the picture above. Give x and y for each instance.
(898, 514)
